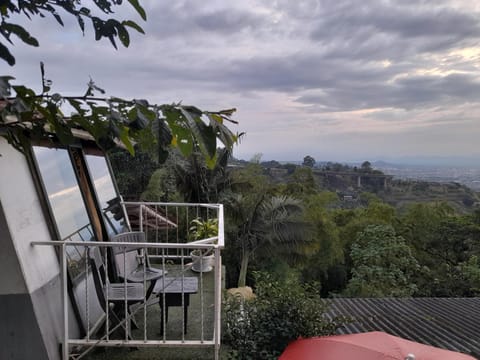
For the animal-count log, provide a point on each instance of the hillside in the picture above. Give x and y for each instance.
(350, 183)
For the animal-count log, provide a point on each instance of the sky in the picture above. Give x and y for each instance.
(339, 80)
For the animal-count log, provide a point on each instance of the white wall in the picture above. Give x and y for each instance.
(25, 222)
(28, 273)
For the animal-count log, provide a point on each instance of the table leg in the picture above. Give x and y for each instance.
(161, 316)
(185, 314)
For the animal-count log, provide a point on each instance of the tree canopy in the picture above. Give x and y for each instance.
(26, 115)
(108, 27)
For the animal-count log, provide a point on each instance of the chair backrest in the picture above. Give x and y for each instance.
(99, 273)
(131, 236)
(126, 258)
(126, 262)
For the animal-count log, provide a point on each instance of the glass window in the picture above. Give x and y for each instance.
(107, 196)
(68, 207)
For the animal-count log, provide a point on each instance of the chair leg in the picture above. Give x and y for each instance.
(122, 322)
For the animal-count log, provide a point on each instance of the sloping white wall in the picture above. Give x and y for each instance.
(29, 275)
(26, 223)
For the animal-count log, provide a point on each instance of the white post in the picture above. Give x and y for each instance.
(63, 274)
(218, 289)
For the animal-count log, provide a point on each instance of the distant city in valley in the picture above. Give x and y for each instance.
(465, 175)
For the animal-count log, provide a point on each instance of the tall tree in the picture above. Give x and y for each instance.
(383, 264)
(308, 161)
(366, 167)
(258, 221)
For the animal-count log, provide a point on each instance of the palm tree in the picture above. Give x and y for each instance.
(263, 223)
(196, 181)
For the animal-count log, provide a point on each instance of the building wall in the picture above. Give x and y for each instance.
(30, 296)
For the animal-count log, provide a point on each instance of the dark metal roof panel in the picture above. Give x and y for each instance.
(449, 323)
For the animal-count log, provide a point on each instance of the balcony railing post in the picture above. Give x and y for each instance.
(125, 213)
(63, 274)
(217, 301)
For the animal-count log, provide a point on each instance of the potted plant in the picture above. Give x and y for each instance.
(203, 260)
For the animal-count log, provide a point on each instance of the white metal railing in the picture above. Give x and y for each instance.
(168, 246)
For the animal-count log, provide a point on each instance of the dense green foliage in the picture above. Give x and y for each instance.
(382, 264)
(296, 227)
(260, 221)
(280, 313)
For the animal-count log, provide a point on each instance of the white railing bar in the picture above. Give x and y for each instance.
(183, 295)
(204, 241)
(168, 223)
(127, 244)
(221, 227)
(167, 257)
(153, 203)
(177, 228)
(107, 285)
(217, 302)
(144, 261)
(164, 322)
(127, 322)
(87, 257)
(124, 208)
(201, 299)
(63, 271)
(141, 343)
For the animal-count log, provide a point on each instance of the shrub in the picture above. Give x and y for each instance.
(280, 313)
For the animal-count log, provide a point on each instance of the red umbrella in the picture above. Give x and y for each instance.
(366, 346)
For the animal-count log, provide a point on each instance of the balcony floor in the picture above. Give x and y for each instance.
(173, 327)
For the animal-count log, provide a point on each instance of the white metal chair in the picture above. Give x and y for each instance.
(132, 262)
(114, 296)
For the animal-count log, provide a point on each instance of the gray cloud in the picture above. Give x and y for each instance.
(380, 30)
(297, 70)
(407, 93)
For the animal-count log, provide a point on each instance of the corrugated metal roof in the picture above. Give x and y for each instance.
(449, 323)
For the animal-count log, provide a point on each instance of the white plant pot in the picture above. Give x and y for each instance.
(202, 263)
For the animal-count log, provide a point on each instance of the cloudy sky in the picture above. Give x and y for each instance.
(339, 80)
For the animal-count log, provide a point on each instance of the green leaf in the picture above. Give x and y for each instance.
(139, 8)
(23, 91)
(133, 25)
(211, 161)
(77, 105)
(226, 136)
(183, 140)
(160, 126)
(193, 110)
(62, 131)
(123, 34)
(5, 85)
(23, 34)
(81, 23)
(97, 27)
(124, 137)
(6, 55)
(203, 134)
